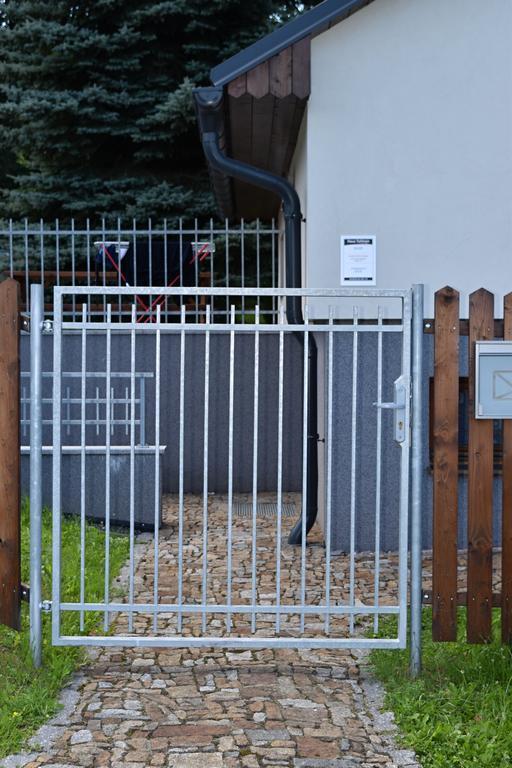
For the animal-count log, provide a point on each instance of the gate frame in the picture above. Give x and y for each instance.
(412, 331)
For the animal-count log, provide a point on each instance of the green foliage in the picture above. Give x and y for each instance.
(459, 713)
(95, 101)
(28, 697)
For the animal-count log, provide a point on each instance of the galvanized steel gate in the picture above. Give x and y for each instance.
(210, 576)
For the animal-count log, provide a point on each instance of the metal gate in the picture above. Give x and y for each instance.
(215, 567)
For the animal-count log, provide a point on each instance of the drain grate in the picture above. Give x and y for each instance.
(264, 509)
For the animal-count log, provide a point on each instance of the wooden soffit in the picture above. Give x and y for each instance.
(265, 107)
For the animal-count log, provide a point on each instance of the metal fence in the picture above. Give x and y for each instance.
(149, 254)
(214, 577)
(95, 403)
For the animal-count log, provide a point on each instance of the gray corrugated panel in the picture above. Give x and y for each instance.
(309, 23)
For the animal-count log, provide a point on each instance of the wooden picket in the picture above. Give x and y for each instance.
(480, 477)
(478, 597)
(10, 547)
(506, 534)
(445, 465)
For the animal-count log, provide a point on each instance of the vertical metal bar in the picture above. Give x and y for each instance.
(416, 479)
(83, 416)
(242, 264)
(212, 267)
(166, 267)
(131, 577)
(41, 255)
(181, 470)
(255, 463)
(68, 410)
(142, 410)
(258, 265)
(73, 268)
(230, 464)
(305, 411)
(150, 256)
(113, 411)
(120, 268)
(36, 470)
(126, 410)
(57, 250)
(27, 279)
(157, 467)
(353, 475)
(328, 506)
(106, 620)
(134, 233)
(24, 409)
(378, 475)
(11, 250)
(56, 467)
(196, 268)
(226, 230)
(273, 267)
(88, 248)
(404, 474)
(181, 259)
(279, 470)
(98, 410)
(104, 262)
(205, 459)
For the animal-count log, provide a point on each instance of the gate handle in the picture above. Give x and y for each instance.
(398, 408)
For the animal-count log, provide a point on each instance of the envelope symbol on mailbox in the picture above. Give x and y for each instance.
(502, 385)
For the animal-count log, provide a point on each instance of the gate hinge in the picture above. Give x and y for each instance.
(25, 592)
(24, 322)
(47, 326)
(46, 606)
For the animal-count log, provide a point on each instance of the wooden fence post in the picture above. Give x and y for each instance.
(10, 523)
(506, 533)
(445, 465)
(480, 483)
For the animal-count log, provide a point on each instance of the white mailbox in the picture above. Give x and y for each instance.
(493, 380)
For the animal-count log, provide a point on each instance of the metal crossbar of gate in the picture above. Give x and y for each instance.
(221, 487)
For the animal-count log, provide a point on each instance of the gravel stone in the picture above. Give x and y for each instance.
(214, 708)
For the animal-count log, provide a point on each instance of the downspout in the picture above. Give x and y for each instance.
(210, 110)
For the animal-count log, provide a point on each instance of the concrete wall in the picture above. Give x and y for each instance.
(409, 138)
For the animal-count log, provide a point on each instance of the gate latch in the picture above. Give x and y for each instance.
(398, 408)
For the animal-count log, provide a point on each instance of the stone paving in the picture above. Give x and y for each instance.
(208, 708)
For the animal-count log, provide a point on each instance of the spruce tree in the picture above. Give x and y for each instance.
(95, 101)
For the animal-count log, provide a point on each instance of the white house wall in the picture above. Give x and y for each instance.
(409, 138)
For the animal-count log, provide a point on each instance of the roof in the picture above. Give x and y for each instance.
(313, 22)
(265, 91)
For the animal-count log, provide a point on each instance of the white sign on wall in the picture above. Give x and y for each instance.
(358, 260)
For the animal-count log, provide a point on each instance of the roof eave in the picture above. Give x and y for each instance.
(310, 23)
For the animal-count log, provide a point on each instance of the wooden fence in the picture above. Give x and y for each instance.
(10, 546)
(478, 597)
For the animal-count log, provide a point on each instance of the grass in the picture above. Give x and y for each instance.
(28, 697)
(459, 713)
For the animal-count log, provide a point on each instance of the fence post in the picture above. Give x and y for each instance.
(506, 535)
(480, 483)
(445, 465)
(36, 458)
(417, 477)
(10, 519)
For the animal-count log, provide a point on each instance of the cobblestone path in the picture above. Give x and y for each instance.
(207, 709)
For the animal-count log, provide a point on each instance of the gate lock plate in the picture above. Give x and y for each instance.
(398, 408)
